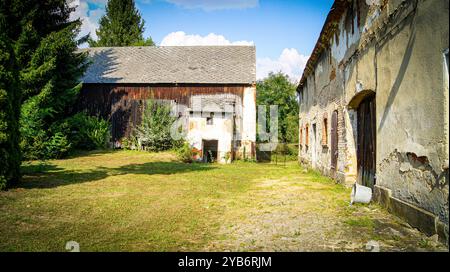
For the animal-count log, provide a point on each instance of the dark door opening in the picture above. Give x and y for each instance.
(210, 150)
(334, 143)
(366, 144)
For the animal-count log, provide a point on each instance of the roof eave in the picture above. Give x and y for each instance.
(338, 8)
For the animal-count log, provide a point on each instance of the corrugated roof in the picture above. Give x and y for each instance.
(172, 64)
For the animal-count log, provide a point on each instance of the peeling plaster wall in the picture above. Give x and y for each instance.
(396, 50)
(221, 130)
(411, 149)
(248, 122)
(232, 121)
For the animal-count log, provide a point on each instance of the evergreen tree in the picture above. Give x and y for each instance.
(122, 25)
(40, 71)
(51, 69)
(9, 107)
(51, 85)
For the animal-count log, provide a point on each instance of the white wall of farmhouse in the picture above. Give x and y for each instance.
(221, 129)
(233, 123)
(249, 119)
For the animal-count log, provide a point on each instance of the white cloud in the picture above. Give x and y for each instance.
(290, 62)
(89, 18)
(209, 5)
(180, 38)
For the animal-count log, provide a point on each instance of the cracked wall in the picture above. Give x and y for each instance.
(395, 50)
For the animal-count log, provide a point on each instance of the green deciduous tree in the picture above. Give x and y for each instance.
(122, 25)
(276, 89)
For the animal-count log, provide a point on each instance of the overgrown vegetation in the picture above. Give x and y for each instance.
(185, 153)
(153, 134)
(277, 89)
(87, 132)
(122, 25)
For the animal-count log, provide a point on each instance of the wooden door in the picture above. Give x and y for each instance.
(366, 145)
(334, 143)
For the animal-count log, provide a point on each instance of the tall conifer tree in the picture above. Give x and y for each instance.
(39, 77)
(122, 25)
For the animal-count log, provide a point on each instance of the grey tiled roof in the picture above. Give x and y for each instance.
(172, 64)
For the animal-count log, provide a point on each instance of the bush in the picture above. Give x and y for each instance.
(79, 131)
(154, 132)
(289, 151)
(185, 153)
(88, 132)
(57, 147)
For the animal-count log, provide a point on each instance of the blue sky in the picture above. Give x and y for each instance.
(284, 31)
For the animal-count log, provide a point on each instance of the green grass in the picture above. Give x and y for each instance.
(123, 201)
(139, 201)
(363, 222)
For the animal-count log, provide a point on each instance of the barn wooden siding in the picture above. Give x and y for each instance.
(122, 104)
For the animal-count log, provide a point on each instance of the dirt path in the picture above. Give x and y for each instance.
(305, 214)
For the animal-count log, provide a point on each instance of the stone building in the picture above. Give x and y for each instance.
(211, 89)
(374, 100)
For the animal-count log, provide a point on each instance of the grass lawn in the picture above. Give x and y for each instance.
(137, 201)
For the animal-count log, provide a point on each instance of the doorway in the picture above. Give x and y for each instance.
(210, 148)
(366, 141)
(334, 143)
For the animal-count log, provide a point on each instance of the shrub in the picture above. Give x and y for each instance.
(88, 132)
(185, 153)
(154, 132)
(130, 143)
(57, 147)
(227, 156)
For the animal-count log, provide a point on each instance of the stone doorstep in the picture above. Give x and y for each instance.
(419, 218)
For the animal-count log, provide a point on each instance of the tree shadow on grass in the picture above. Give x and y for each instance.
(48, 175)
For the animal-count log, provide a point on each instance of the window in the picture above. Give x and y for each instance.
(301, 135)
(307, 135)
(325, 131)
(209, 120)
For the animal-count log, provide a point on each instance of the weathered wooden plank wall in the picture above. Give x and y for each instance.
(121, 104)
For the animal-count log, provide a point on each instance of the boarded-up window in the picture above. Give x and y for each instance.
(301, 135)
(325, 131)
(307, 135)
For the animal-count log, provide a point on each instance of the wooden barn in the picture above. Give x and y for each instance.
(211, 89)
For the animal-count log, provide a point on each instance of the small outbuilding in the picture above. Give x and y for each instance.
(211, 90)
